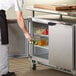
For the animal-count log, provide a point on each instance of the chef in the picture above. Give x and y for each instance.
(4, 41)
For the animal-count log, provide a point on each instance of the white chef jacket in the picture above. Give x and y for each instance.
(7, 4)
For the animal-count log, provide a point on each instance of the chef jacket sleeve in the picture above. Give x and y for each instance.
(18, 5)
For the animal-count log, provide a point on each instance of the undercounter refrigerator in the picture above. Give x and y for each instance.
(55, 46)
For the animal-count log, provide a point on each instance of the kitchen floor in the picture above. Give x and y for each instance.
(22, 67)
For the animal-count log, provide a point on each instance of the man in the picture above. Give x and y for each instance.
(4, 6)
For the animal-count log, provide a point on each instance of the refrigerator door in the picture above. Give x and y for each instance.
(17, 41)
(60, 46)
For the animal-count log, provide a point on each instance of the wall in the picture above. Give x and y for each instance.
(11, 13)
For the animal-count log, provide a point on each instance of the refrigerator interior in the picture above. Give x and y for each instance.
(40, 50)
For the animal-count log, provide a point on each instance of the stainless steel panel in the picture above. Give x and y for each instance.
(60, 46)
(30, 27)
(75, 47)
(17, 41)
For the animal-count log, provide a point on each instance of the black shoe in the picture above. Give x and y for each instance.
(9, 74)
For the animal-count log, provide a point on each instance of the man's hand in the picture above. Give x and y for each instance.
(28, 37)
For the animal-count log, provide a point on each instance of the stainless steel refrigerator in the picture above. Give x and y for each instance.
(60, 53)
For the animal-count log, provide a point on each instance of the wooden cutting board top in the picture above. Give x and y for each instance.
(55, 7)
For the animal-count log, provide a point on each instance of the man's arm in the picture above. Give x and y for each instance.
(21, 24)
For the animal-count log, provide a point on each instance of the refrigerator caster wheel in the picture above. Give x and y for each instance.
(34, 67)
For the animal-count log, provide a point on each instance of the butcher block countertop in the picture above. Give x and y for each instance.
(55, 7)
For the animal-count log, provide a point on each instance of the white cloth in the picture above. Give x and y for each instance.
(7, 4)
(3, 59)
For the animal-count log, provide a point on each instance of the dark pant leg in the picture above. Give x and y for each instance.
(4, 28)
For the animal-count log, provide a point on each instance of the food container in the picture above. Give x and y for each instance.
(42, 42)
